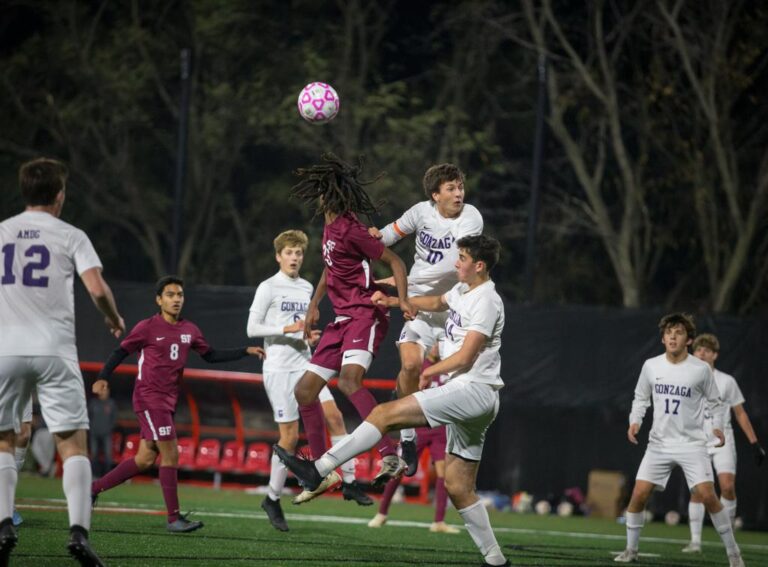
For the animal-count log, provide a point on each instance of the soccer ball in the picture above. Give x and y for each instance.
(543, 507)
(672, 518)
(318, 103)
(565, 509)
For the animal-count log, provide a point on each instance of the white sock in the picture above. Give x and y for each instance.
(20, 453)
(277, 477)
(478, 525)
(77, 488)
(722, 524)
(696, 520)
(348, 468)
(361, 439)
(635, 523)
(729, 505)
(8, 478)
(407, 434)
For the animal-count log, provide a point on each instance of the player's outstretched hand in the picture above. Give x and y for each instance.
(314, 337)
(390, 281)
(424, 382)
(719, 434)
(311, 318)
(375, 232)
(296, 327)
(256, 351)
(381, 298)
(759, 453)
(116, 329)
(99, 386)
(409, 311)
(632, 432)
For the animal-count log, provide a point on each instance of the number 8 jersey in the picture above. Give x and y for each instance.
(39, 255)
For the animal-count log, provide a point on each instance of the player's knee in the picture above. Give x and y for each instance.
(348, 384)
(303, 394)
(22, 437)
(144, 461)
(411, 368)
(457, 490)
(728, 491)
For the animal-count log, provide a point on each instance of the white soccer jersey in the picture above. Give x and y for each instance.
(281, 301)
(39, 256)
(433, 271)
(481, 310)
(682, 395)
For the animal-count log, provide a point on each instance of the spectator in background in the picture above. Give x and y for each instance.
(102, 412)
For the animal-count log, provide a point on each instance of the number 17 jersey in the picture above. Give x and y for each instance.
(39, 256)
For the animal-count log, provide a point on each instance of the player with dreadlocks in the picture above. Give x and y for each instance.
(350, 342)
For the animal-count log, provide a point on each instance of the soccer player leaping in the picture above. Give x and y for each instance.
(350, 342)
(164, 342)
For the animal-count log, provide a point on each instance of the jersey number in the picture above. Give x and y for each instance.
(174, 351)
(434, 256)
(675, 404)
(40, 260)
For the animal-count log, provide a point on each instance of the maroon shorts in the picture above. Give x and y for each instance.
(433, 439)
(364, 334)
(156, 425)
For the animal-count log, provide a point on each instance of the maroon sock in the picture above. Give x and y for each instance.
(364, 403)
(441, 499)
(122, 472)
(169, 480)
(314, 427)
(386, 498)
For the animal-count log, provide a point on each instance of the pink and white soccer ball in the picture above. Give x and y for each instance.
(318, 103)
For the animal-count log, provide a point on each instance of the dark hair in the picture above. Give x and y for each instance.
(439, 174)
(41, 180)
(166, 281)
(481, 248)
(675, 319)
(335, 187)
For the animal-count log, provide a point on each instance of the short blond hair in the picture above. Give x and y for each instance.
(291, 239)
(706, 340)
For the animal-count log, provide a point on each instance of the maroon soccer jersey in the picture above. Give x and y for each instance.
(348, 250)
(164, 350)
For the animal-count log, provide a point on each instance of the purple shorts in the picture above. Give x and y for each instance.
(432, 439)
(365, 334)
(156, 425)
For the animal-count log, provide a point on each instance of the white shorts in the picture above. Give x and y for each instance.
(279, 387)
(724, 458)
(466, 408)
(59, 386)
(657, 466)
(425, 330)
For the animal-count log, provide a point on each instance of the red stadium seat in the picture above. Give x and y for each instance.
(117, 445)
(258, 458)
(363, 467)
(208, 454)
(131, 446)
(232, 457)
(186, 447)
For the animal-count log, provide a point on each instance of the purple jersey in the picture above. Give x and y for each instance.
(348, 250)
(164, 350)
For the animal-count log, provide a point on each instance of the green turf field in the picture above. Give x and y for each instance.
(330, 532)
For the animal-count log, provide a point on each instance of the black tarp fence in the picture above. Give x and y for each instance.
(570, 374)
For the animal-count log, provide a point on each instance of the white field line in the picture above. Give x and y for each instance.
(114, 507)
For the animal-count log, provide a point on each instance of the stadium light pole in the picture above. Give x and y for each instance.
(181, 160)
(533, 206)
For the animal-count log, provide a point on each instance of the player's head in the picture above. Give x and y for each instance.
(42, 182)
(478, 254)
(169, 291)
(677, 332)
(444, 184)
(706, 347)
(334, 186)
(289, 251)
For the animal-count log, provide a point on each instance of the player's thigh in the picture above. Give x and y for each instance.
(398, 414)
(61, 393)
(411, 358)
(655, 468)
(280, 391)
(697, 467)
(16, 384)
(724, 459)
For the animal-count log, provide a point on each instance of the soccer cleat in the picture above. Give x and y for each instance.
(182, 525)
(303, 469)
(443, 528)
(17, 519)
(8, 540)
(735, 561)
(392, 466)
(626, 556)
(352, 491)
(80, 548)
(692, 548)
(330, 482)
(408, 453)
(378, 521)
(275, 514)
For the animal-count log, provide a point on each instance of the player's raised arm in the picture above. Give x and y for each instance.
(640, 405)
(465, 357)
(102, 297)
(398, 229)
